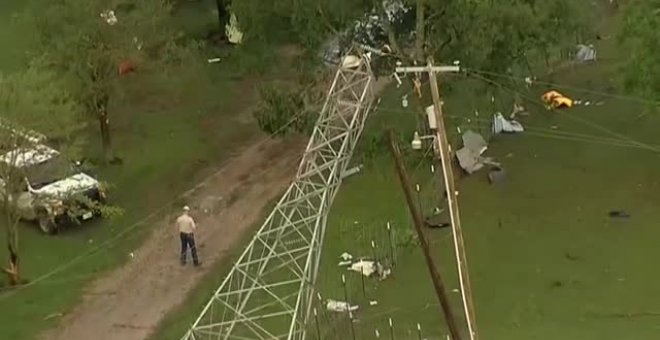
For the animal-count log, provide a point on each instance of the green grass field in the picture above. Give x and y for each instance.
(546, 261)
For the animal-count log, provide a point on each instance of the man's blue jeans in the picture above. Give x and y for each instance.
(188, 241)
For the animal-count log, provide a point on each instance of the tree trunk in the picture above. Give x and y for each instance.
(223, 16)
(104, 126)
(12, 271)
(420, 28)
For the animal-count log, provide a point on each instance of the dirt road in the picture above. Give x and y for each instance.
(129, 302)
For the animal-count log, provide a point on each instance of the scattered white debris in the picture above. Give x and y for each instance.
(344, 263)
(385, 273)
(367, 268)
(233, 33)
(352, 171)
(404, 101)
(382, 272)
(131, 255)
(455, 290)
(213, 60)
(501, 124)
(469, 156)
(586, 53)
(346, 256)
(339, 306)
(109, 17)
(52, 316)
(518, 110)
(138, 43)
(373, 303)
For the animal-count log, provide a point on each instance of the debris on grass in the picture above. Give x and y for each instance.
(352, 171)
(618, 214)
(382, 271)
(497, 175)
(436, 222)
(501, 124)
(340, 306)
(469, 157)
(518, 110)
(572, 257)
(373, 303)
(52, 316)
(109, 17)
(346, 256)
(366, 268)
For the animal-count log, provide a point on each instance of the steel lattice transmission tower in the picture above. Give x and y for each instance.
(268, 293)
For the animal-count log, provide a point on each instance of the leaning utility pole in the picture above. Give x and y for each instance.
(418, 222)
(444, 149)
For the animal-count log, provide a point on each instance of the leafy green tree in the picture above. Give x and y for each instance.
(490, 35)
(32, 100)
(96, 48)
(639, 37)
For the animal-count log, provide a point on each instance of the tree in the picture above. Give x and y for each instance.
(639, 38)
(96, 42)
(32, 100)
(493, 35)
(308, 22)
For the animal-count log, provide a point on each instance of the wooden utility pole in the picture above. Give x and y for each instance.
(444, 149)
(418, 222)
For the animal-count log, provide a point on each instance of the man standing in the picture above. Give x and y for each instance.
(186, 225)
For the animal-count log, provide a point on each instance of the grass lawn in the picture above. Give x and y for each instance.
(168, 140)
(546, 261)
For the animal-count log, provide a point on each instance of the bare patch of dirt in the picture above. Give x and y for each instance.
(129, 302)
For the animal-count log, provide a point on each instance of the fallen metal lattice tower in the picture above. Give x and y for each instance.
(268, 293)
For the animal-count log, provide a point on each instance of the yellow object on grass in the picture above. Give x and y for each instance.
(555, 100)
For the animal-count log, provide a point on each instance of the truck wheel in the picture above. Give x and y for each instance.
(46, 223)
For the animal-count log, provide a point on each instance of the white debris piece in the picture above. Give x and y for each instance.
(585, 53)
(469, 156)
(138, 44)
(109, 17)
(233, 33)
(346, 256)
(339, 306)
(365, 267)
(518, 110)
(352, 171)
(501, 124)
(344, 263)
(474, 141)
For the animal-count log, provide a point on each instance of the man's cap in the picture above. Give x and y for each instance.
(186, 208)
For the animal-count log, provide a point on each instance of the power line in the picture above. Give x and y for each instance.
(571, 87)
(582, 120)
(557, 134)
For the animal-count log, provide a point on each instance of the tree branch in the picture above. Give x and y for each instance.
(325, 20)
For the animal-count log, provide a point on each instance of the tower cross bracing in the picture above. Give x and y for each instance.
(269, 291)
